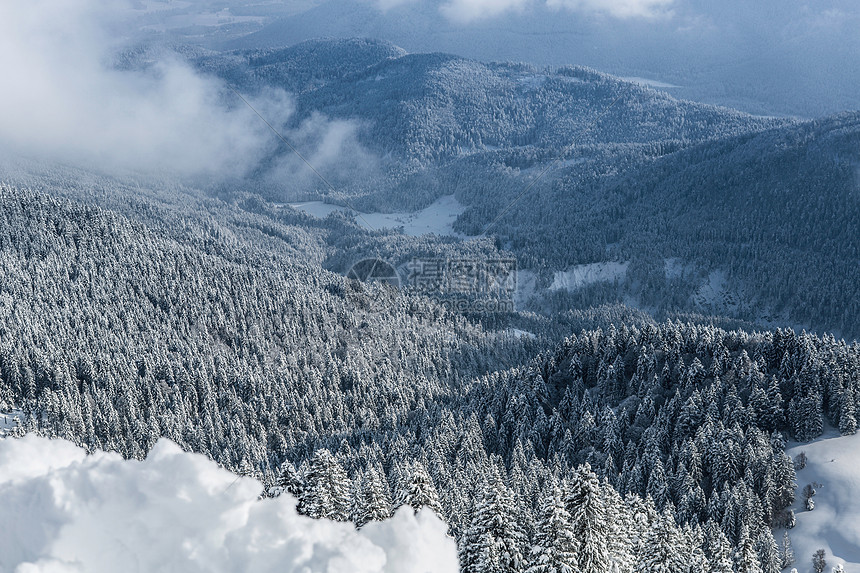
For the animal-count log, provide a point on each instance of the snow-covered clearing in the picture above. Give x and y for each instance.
(717, 295)
(9, 421)
(65, 511)
(650, 83)
(517, 333)
(834, 524)
(437, 218)
(584, 275)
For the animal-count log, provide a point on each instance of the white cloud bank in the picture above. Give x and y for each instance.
(464, 11)
(61, 98)
(65, 512)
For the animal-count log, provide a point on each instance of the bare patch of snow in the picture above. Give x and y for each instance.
(584, 275)
(517, 333)
(532, 82)
(834, 524)
(526, 287)
(437, 218)
(716, 295)
(675, 268)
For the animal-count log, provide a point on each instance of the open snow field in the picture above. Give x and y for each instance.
(834, 524)
(584, 275)
(65, 511)
(437, 218)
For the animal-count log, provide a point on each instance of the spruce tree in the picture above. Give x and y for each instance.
(787, 554)
(554, 547)
(327, 489)
(373, 501)
(661, 549)
(584, 501)
(495, 539)
(418, 490)
(746, 556)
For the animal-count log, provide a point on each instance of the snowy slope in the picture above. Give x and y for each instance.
(437, 218)
(584, 275)
(834, 524)
(65, 511)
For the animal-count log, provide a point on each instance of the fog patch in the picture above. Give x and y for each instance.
(63, 100)
(333, 149)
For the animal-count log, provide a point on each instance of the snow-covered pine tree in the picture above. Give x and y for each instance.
(768, 552)
(327, 489)
(787, 554)
(289, 480)
(418, 490)
(660, 549)
(554, 547)
(847, 414)
(718, 549)
(584, 501)
(373, 502)
(495, 539)
(746, 556)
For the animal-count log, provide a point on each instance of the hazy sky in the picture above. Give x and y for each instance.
(64, 98)
(768, 56)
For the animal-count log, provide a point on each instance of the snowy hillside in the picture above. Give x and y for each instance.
(66, 511)
(833, 467)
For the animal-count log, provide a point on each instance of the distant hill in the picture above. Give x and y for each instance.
(785, 58)
(604, 169)
(428, 107)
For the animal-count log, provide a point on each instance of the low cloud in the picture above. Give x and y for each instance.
(62, 99)
(464, 11)
(332, 147)
(616, 8)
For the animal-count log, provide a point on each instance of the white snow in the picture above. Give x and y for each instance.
(65, 511)
(650, 83)
(583, 275)
(526, 287)
(10, 420)
(834, 524)
(517, 333)
(437, 218)
(532, 82)
(716, 294)
(675, 268)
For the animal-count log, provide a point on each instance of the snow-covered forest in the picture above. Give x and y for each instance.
(199, 369)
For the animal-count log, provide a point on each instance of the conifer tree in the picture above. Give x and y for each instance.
(584, 501)
(327, 489)
(746, 556)
(554, 547)
(373, 501)
(495, 539)
(661, 551)
(787, 554)
(418, 490)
